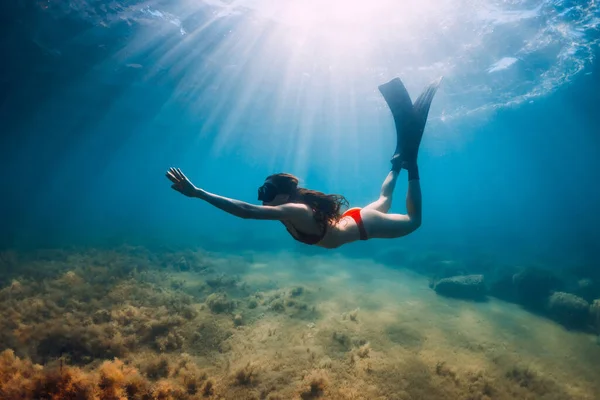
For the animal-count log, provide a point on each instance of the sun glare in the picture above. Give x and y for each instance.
(335, 13)
(348, 23)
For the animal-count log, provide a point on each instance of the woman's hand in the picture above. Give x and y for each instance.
(181, 183)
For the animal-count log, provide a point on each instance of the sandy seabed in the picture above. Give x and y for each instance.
(130, 323)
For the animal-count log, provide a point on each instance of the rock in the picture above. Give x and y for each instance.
(533, 286)
(570, 310)
(464, 287)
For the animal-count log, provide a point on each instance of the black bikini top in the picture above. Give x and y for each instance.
(307, 238)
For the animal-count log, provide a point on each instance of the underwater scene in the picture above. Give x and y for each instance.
(276, 199)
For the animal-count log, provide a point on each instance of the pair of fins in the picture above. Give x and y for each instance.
(409, 118)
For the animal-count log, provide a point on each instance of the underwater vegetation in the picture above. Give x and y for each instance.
(130, 323)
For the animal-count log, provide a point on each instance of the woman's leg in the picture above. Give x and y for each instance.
(380, 225)
(384, 202)
(410, 120)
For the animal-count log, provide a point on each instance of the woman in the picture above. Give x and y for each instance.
(315, 218)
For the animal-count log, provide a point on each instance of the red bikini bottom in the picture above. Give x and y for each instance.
(354, 213)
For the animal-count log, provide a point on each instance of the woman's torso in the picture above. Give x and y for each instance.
(308, 230)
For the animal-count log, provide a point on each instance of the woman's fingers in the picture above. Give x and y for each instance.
(172, 177)
(178, 173)
(182, 175)
(178, 178)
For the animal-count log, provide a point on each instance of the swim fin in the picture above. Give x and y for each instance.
(409, 118)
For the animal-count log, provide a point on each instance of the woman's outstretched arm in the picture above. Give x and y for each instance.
(245, 210)
(238, 208)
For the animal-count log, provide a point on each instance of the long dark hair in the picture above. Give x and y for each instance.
(327, 207)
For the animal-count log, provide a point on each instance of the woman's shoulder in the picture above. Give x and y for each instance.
(299, 205)
(300, 210)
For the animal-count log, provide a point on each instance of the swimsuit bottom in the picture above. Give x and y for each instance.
(354, 213)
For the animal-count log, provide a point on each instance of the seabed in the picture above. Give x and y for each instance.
(130, 323)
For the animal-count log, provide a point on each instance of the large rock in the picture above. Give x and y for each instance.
(568, 309)
(464, 287)
(532, 286)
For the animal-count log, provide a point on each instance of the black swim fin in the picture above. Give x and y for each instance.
(409, 119)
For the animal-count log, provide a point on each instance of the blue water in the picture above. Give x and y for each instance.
(119, 286)
(99, 99)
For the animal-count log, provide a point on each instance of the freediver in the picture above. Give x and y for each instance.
(316, 218)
